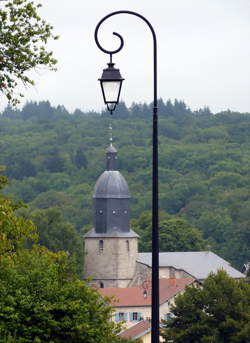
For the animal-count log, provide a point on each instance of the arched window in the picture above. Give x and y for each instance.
(101, 284)
(127, 244)
(101, 246)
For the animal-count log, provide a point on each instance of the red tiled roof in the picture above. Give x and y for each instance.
(136, 330)
(133, 296)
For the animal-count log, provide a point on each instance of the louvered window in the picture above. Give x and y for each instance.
(135, 316)
(121, 316)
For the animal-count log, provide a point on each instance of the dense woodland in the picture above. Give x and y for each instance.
(53, 159)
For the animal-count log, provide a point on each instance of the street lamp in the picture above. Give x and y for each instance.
(111, 82)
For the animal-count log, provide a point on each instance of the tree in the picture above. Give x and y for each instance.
(41, 298)
(175, 234)
(80, 159)
(23, 39)
(57, 234)
(15, 231)
(55, 162)
(19, 167)
(217, 312)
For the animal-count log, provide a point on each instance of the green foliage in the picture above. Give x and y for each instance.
(23, 39)
(175, 234)
(41, 298)
(57, 234)
(217, 312)
(80, 159)
(15, 231)
(204, 165)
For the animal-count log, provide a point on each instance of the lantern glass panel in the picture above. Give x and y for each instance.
(111, 90)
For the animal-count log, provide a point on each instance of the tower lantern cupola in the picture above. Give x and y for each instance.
(111, 198)
(111, 153)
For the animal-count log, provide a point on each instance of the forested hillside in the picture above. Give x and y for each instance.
(53, 159)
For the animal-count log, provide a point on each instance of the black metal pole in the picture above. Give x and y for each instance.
(155, 320)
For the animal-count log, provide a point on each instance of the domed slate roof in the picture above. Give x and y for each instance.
(111, 148)
(111, 184)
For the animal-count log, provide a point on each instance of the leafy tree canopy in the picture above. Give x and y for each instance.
(55, 233)
(175, 234)
(41, 298)
(23, 39)
(217, 312)
(53, 159)
(15, 231)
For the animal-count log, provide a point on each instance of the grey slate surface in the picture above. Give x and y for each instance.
(111, 184)
(198, 264)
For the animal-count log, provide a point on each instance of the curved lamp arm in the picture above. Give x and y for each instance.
(111, 52)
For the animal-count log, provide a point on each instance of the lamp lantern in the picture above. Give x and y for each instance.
(111, 84)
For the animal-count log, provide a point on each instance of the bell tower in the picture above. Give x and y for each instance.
(111, 247)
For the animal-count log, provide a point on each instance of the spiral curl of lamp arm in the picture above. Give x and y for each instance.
(111, 52)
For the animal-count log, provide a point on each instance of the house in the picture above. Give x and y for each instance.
(133, 304)
(195, 264)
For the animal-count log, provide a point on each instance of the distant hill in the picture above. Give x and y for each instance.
(54, 157)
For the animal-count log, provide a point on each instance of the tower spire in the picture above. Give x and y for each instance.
(110, 134)
(111, 152)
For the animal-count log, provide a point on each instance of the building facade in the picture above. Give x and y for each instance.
(111, 247)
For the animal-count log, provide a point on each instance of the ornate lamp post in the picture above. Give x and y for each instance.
(111, 82)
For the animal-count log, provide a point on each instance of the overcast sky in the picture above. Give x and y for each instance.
(203, 52)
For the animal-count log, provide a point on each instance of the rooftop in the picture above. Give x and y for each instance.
(111, 184)
(134, 296)
(136, 330)
(199, 264)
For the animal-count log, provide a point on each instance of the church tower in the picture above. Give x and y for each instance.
(111, 247)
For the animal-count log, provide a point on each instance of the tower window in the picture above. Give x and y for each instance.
(101, 246)
(127, 244)
(101, 284)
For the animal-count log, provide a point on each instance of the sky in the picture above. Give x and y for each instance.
(203, 53)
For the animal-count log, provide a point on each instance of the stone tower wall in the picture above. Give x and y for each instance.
(111, 263)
